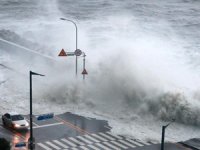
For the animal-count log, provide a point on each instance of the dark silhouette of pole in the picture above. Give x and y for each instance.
(31, 139)
(84, 65)
(76, 40)
(163, 137)
(163, 134)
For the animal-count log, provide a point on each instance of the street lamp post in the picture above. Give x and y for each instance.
(31, 139)
(163, 134)
(76, 39)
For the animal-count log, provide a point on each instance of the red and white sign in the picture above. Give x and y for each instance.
(84, 71)
(62, 53)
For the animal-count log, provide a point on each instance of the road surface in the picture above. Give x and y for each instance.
(72, 132)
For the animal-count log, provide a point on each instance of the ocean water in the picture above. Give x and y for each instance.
(142, 59)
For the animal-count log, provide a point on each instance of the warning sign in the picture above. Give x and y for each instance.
(62, 53)
(84, 71)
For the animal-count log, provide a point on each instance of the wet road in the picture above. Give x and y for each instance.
(73, 132)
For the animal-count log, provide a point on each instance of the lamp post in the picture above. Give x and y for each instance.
(76, 39)
(163, 134)
(31, 139)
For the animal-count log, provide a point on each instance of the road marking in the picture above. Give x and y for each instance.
(93, 147)
(143, 142)
(91, 138)
(126, 143)
(107, 127)
(83, 139)
(60, 144)
(44, 146)
(71, 125)
(102, 146)
(134, 142)
(116, 136)
(118, 144)
(110, 145)
(153, 142)
(32, 122)
(84, 148)
(107, 136)
(52, 145)
(99, 137)
(68, 142)
(47, 125)
(76, 141)
(74, 148)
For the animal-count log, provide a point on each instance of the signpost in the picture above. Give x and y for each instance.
(78, 52)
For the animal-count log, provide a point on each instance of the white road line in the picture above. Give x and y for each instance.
(102, 146)
(143, 142)
(60, 144)
(32, 122)
(116, 136)
(52, 145)
(154, 142)
(107, 136)
(68, 142)
(126, 143)
(93, 147)
(74, 148)
(84, 148)
(44, 146)
(76, 141)
(99, 137)
(110, 145)
(91, 138)
(118, 144)
(134, 142)
(84, 140)
(48, 125)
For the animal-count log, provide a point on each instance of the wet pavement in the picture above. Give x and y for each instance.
(70, 131)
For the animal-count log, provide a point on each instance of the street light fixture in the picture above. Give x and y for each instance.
(76, 39)
(31, 139)
(163, 134)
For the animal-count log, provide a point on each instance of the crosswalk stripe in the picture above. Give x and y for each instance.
(93, 147)
(99, 137)
(143, 142)
(110, 145)
(134, 142)
(44, 146)
(84, 140)
(107, 136)
(52, 145)
(76, 141)
(102, 146)
(116, 136)
(68, 142)
(84, 148)
(60, 144)
(74, 148)
(126, 143)
(153, 142)
(118, 144)
(91, 138)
